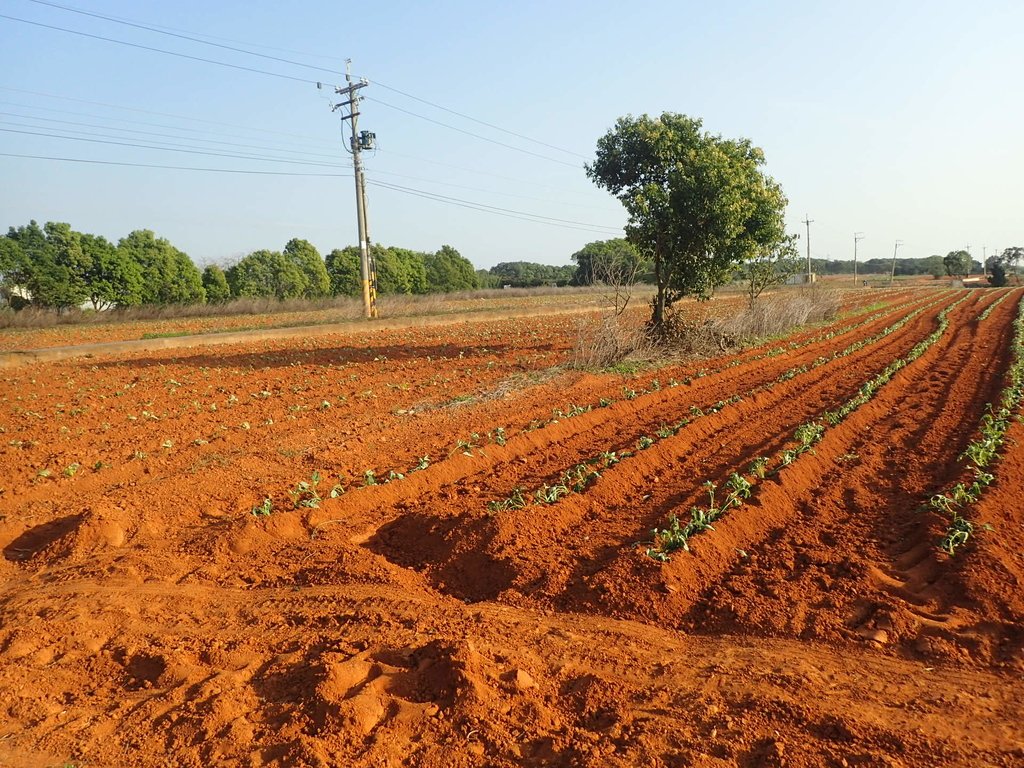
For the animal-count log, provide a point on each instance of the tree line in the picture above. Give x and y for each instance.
(55, 267)
(953, 263)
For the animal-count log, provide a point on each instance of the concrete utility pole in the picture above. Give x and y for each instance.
(358, 142)
(808, 221)
(892, 274)
(857, 237)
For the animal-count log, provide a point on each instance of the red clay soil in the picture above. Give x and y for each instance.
(148, 617)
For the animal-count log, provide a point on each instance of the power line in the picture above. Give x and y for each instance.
(521, 215)
(163, 27)
(172, 146)
(473, 207)
(180, 34)
(172, 167)
(486, 191)
(494, 207)
(287, 77)
(479, 172)
(470, 133)
(475, 120)
(160, 50)
(169, 149)
(151, 133)
(160, 114)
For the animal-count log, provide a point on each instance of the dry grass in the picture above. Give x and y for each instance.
(702, 330)
(340, 308)
(605, 341)
(771, 315)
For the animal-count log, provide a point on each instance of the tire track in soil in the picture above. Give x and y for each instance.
(475, 556)
(359, 676)
(853, 553)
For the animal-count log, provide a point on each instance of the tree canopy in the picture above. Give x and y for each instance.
(168, 275)
(448, 270)
(698, 204)
(215, 283)
(267, 273)
(112, 278)
(307, 259)
(608, 261)
(957, 263)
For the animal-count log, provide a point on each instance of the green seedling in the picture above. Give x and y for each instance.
(549, 494)
(759, 466)
(305, 493)
(515, 501)
(264, 509)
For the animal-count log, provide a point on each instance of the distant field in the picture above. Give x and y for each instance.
(263, 314)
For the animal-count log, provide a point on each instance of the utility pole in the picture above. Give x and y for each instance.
(857, 237)
(892, 274)
(808, 221)
(358, 142)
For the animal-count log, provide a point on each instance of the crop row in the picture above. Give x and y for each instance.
(476, 442)
(985, 450)
(580, 476)
(739, 488)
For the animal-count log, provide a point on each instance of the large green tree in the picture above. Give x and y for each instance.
(448, 270)
(607, 261)
(343, 268)
(168, 275)
(526, 274)
(112, 278)
(307, 258)
(215, 283)
(957, 263)
(698, 204)
(267, 273)
(53, 264)
(400, 270)
(13, 270)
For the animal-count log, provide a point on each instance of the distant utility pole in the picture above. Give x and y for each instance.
(808, 221)
(857, 237)
(892, 274)
(359, 141)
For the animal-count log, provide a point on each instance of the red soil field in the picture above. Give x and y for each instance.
(151, 615)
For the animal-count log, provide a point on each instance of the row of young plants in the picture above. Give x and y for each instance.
(676, 535)
(991, 307)
(580, 476)
(477, 441)
(306, 494)
(985, 450)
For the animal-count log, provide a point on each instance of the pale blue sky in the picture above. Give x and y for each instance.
(899, 120)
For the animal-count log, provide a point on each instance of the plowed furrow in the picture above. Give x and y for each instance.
(862, 495)
(533, 457)
(513, 550)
